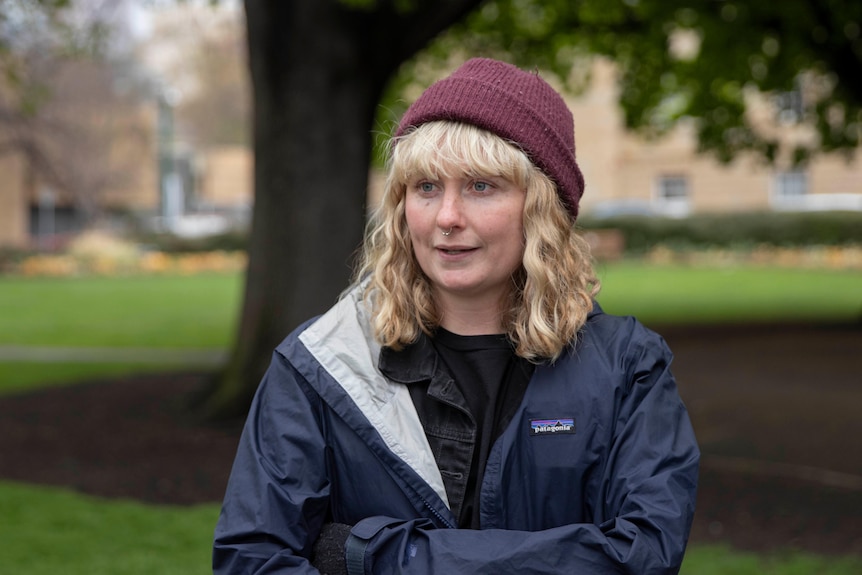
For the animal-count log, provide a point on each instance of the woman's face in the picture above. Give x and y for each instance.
(483, 218)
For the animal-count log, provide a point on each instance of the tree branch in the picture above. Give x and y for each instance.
(399, 34)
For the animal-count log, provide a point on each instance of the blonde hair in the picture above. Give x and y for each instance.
(552, 292)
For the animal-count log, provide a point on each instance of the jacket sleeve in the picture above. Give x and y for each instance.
(277, 495)
(645, 508)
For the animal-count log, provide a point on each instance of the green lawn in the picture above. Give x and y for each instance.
(49, 531)
(23, 375)
(164, 312)
(720, 560)
(141, 311)
(679, 294)
(199, 312)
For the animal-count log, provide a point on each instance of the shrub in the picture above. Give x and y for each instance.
(738, 230)
(168, 243)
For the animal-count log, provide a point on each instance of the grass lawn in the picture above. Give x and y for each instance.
(48, 530)
(199, 312)
(720, 560)
(166, 312)
(142, 311)
(680, 294)
(21, 376)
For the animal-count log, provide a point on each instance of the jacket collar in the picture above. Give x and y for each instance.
(414, 363)
(419, 363)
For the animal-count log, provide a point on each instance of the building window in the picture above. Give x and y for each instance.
(790, 191)
(791, 185)
(672, 196)
(789, 106)
(672, 188)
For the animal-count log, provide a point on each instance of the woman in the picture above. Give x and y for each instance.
(466, 407)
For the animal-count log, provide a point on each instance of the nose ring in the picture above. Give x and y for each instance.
(447, 232)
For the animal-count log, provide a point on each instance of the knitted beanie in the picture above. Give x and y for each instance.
(516, 105)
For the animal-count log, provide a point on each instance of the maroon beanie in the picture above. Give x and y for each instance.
(513, 104)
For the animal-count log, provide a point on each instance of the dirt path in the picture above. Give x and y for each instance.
(776, 410)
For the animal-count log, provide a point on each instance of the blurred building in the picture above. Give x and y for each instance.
(627, 175)
(202, 191)
(119, 157)
(14, 201)
(182, 191)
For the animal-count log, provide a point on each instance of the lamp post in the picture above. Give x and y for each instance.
(170, 183)
(46, 231)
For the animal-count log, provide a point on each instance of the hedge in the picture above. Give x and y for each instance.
(739, 230)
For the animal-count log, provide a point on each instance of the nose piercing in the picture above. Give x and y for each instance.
(447, 232)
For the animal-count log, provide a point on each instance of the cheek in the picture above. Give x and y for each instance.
(410, 220)
(415, 219)
(515, 255)
(511, 243)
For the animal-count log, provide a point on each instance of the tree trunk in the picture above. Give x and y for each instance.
(313, 112)
(317, 72)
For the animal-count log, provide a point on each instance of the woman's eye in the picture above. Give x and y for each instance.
(426, 187)
(481, 186)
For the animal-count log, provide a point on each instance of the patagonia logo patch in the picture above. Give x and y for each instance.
(562, 425)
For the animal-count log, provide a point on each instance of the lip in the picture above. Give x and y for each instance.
(451, 252)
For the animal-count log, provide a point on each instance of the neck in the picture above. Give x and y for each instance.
(469, 317)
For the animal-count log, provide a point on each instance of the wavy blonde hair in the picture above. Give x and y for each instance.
(552, 292)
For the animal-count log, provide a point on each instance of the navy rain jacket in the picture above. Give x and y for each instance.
(596, 473)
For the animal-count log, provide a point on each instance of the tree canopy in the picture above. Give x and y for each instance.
(695, 60)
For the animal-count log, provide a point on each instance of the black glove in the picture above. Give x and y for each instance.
(327, 555)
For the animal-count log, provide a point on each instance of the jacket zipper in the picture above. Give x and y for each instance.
(437, 514)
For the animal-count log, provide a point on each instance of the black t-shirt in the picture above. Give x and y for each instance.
(492, 380)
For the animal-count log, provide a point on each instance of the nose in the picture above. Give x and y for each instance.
(450, 214)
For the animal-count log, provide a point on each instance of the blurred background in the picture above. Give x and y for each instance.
(183, 182)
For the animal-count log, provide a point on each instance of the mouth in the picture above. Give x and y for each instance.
(455, 251)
